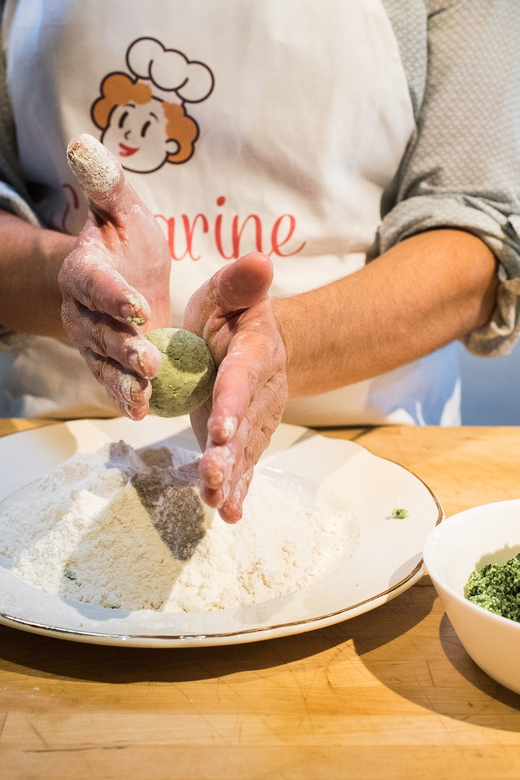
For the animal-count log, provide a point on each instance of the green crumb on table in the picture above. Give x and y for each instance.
(400, 514)
(69, 573)
(496, 587)
(187, 374)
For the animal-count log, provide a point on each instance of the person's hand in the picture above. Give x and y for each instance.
(233, 314)
(115, 280)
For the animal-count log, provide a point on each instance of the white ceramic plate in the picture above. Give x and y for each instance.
(387, 558)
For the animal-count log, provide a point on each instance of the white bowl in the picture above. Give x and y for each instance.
(464, 542)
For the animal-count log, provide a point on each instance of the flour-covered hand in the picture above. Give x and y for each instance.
(233, 314)
(115, 280)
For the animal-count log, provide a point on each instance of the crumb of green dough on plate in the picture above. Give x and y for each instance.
(399, 513)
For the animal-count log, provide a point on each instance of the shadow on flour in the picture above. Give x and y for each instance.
(148, 555)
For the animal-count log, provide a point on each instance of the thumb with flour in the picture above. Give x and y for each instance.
(115, 282)
(101, 178)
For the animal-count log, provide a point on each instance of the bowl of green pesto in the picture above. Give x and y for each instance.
(496, 586)
(473, 559)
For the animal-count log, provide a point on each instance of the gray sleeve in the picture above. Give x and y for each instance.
(14, 196)
(13, 193)
(462, 166)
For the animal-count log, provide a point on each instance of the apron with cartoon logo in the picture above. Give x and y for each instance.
(270, 125)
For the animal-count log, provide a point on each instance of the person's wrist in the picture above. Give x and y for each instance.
(285, 318)
(53, 248)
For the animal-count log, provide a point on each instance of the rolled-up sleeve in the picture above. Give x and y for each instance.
(14, 196)
(13, 193)
(462, 166)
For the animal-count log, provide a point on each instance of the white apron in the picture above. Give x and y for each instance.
(243, 124)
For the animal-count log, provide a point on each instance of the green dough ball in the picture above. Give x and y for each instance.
(187, 373)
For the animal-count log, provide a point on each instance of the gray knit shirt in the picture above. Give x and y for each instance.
(461, 168)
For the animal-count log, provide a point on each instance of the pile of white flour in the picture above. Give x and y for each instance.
(126, 529)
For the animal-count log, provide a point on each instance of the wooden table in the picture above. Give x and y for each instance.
(389, 694)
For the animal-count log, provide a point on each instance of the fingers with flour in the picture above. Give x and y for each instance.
(234, 315)
(103, 339)
(232, 509)
(218, 312)
(110, 338)
(90, 279)
(101, 308)
(110, 199)
(224, 465)
(130, 392)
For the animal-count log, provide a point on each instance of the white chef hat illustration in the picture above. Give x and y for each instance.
(174, 78)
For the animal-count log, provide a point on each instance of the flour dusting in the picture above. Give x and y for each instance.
(96, 169)
(121, 528)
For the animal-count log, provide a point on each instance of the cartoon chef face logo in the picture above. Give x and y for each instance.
(143, 116)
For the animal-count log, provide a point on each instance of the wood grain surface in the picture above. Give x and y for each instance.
(389, 694)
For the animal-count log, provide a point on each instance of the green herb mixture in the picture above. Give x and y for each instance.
(496, 587)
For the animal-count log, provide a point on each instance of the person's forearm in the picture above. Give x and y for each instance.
(30, 258)
(422, 294)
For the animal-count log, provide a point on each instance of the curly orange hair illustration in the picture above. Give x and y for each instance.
(117, 89)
